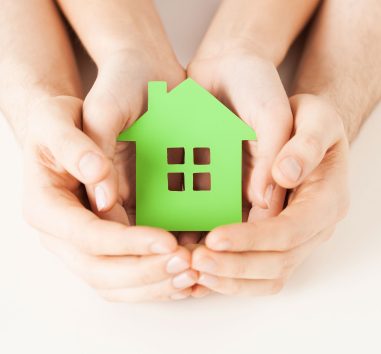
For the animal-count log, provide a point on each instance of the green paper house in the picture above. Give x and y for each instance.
(188, 159)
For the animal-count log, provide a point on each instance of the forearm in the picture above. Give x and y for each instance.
(341, 62)
(36, 60)
(261, 26)
(117, 26)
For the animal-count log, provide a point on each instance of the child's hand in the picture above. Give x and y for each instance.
(257, 258)
(251, 86)
(116, 100)
(123, 263)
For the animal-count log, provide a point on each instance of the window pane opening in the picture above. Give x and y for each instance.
(201, 156)
(202, 182)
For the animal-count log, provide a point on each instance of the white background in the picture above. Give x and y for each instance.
(331, 305)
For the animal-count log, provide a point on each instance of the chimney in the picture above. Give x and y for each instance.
(156, 92)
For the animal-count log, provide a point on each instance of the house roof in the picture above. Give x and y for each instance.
(188, 113)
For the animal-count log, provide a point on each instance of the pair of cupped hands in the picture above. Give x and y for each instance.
(80, 182)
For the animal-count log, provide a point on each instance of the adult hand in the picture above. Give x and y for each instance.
(122, 263)
(257, 258)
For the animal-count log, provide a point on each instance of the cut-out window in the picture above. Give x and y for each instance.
(202, 181)
(201, 156)
(176, 181)
(175, 156)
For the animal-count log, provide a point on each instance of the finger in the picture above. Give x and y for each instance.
(168, 289)
(273, 130)
(255, 265)
(104, 195)
(265, 107)
(104, 117)
(232, 286)
(118, 214)
(257, 213)
(244, 265)
(118, 272)
(317, 128)
(280, 233)
(229, 286)
(58, 212)
(105, 114)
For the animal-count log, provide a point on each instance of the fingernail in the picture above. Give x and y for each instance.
(176, 265)
(221, 245)
(207, 280)
(100, 198)
(179, 296)
(90, 165)
(268, 195)
(205, 264)
(290, 168)
(183, 280)
(160, 248)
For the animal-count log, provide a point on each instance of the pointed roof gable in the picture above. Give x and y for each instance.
(185, 113)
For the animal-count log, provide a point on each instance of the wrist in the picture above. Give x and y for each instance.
(240, 45)
(136, 51)
(133, 26)
(255, 27)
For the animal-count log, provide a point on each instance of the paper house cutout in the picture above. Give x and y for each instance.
(190, 120)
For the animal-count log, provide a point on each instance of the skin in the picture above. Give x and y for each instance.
(135, 43)
(141, 263)
(236, 64)
(39, 89)
(335, 89)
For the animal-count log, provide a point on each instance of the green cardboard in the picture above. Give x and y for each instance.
(186, 118)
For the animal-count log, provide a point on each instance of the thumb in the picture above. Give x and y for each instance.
(68, 145)
(317, 128)
(104, 117)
